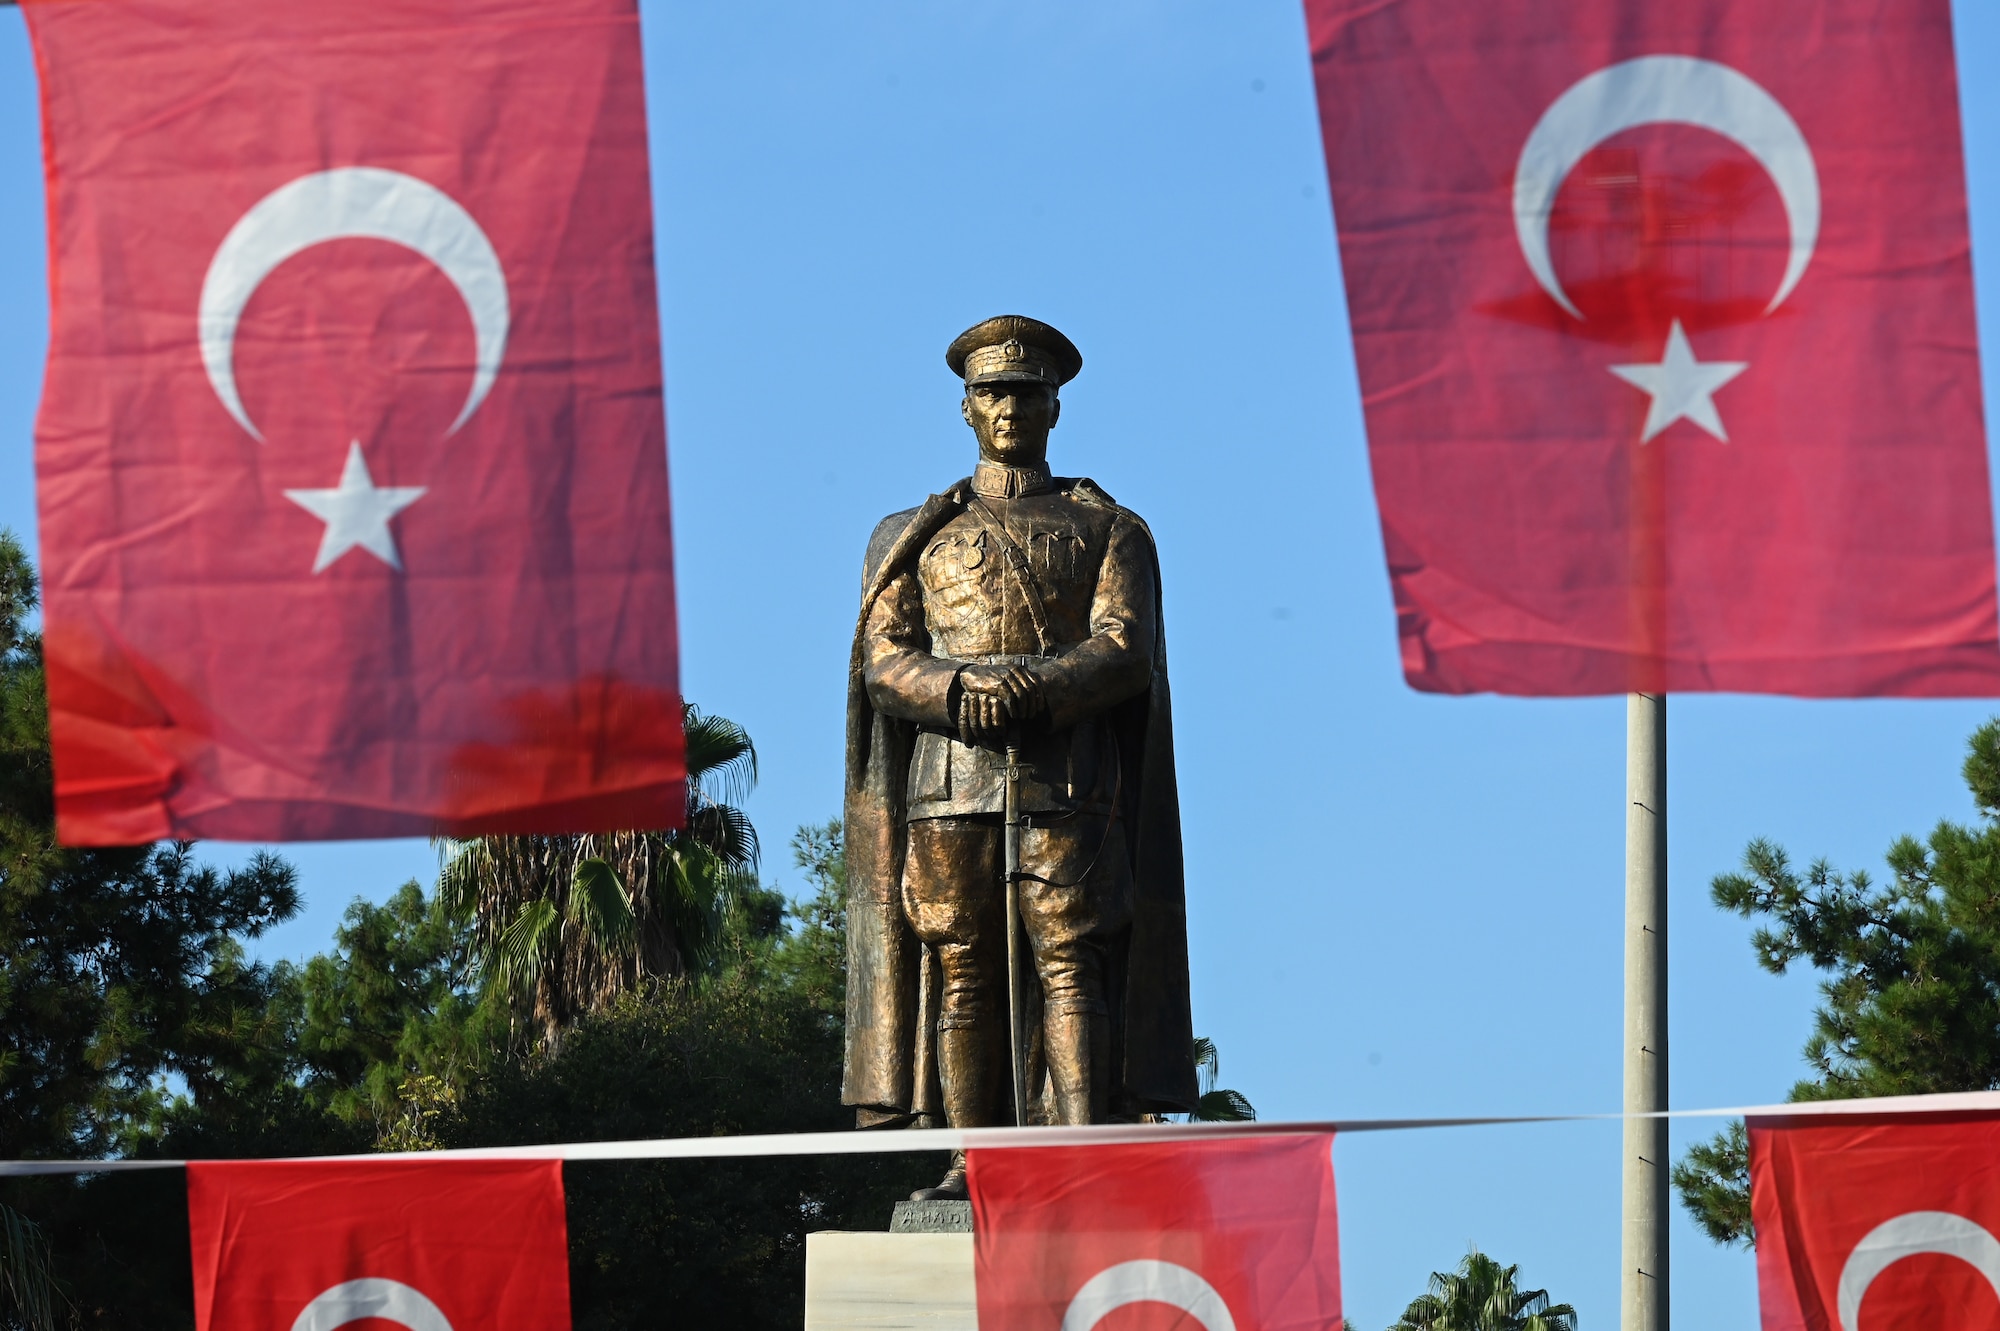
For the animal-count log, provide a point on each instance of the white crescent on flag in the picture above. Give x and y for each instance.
(1147, 1282)
(372, 204)
(1663, 89)
(371, 1298)
(1909, 1235)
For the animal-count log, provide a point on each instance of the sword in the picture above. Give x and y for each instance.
(1011, 862)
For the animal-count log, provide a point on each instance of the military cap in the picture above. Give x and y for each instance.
(1013, 346)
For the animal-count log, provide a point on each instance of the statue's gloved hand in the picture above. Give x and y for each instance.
(992, 697)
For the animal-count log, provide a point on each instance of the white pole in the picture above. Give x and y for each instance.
(1643, 1290)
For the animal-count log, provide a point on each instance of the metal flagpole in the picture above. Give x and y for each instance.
(1643, 1289)
(1011, 856)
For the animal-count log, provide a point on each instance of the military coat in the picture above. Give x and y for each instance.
(933, 600)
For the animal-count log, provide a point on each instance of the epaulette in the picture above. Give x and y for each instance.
(1089, 491)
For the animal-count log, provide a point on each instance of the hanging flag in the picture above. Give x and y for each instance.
(351, 455)
(1871, 1223)
(427, 1246)
(1663, 316)
(1236, 1234)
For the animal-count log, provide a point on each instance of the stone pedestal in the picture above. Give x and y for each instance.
(916, 1277)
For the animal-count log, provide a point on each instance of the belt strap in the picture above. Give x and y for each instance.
(1018, 565)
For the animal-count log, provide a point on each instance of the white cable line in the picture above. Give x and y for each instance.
(1101, 1134)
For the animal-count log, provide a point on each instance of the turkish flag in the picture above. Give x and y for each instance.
(1236, 1234)
(1663, 316)
(351, 456)
(424, 1245)
(1871, 1224)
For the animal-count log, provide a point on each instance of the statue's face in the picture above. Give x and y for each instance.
(1012, 419)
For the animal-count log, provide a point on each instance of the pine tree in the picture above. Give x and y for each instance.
(119, 966)
(1911, 1000)
(393, 1018)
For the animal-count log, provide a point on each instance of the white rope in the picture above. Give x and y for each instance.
(1102, 1134)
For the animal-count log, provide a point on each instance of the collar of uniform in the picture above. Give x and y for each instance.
(997, 480)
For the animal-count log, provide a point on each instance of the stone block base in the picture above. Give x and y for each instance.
(890, 1282)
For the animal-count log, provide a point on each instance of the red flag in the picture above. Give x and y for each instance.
(351, 455)
(1236, 1234)
(1663, 315)
(1877, 1223)
(426, 1246)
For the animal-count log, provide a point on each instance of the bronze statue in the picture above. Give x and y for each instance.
(1015, 613)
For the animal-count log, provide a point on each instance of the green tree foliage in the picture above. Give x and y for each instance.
(362, 1046)
(1483, 1295)
(131, 1020)
(386, 1040)
(1911, 1000)
(720, 1242)
(391, 1020)
(120, 969)
(31, 1299)
(1713, 1179)
(752, 1046)
(1217, 1104)
(799, 945)
(312, 1046)
(565, 924)
(119, 966)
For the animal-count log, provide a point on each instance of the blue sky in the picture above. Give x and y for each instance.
(1400, 904)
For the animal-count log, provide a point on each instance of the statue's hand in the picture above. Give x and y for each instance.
(982, 720)
(993, 697)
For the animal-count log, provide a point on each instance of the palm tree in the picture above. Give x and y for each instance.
(1482, 1296)
(1216, 1105)
(564, 924)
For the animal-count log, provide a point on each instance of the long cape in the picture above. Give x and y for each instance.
(891, 1076)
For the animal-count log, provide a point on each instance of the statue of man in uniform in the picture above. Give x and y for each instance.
(1020, 608)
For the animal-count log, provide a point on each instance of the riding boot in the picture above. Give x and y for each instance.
(969, 1076)
(951, 1188)
(1079, 1064)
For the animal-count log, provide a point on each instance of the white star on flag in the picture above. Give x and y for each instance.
(357, 512)
(1681, 386)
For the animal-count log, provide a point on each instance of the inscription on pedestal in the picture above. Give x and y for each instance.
(939, 1217)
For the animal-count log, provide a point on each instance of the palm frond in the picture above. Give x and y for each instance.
(1483, 1295)
(564, 924)
(599, 906)
(27, 1274)
(523, 947)
(1223, 1106)
(725, 832)
(1207, 1063)
(458, 877)
(1425, 1311)
(721, 760)
(696, 904)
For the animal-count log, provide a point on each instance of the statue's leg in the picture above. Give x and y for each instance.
(952, 895)
(1085, 899)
